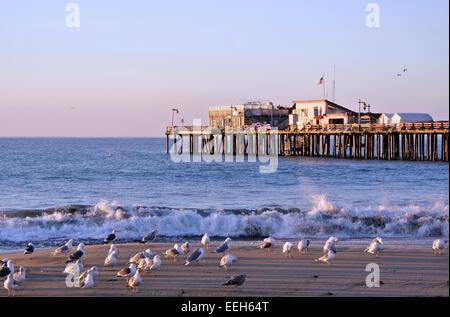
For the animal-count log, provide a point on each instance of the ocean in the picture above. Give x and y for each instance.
(53, 189)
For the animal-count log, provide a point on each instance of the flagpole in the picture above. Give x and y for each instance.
(334, 82)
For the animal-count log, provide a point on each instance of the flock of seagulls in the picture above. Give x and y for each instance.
(148, 261)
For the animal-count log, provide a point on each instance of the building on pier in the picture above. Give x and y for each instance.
(320, 112)
(247, 114)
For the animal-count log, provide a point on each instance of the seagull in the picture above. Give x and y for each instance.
(113, 249)
(137, 257)
(329, 245)
(227, 261)
(128, 271)
(267, 243)
(224, 247)
(149, 237)
(375, 246)
(111, 259)
(173, 253)
(29, 249)
(65, 248)
(236, 280)
(87, 280)
(83, 275)
(156, 263)
(195, 256)
(287, 249)
(111, 237)
(327, 258)
(77, 255)
(4, 262)
(71, 267)
(303, 246)
(186, 247)
(20, 276)
(205, 241)
(11, 285)
(7, 269)
(135, 281)
(438, 245)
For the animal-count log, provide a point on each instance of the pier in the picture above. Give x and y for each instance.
(425, 141)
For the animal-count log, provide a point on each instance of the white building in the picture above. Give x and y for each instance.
(319, 112)
(385, 118)
(411, 117)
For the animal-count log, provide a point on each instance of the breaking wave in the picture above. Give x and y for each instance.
(49, 227)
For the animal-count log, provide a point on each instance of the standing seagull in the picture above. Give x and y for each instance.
(149, 237)
(224, 247)
(11, 285)
(438, 245)
(20, 276)
(29, 249)
(330, 244)
(65, 248)
(287, 249)
(128, 271)
(236, 280)
(111, 259)
(227, 261)
(267, 243)
(156, 263)
(375, 246)
(5, 271)
(87, 281)
(77, 255)
(303, 246)
(113, 249)
(135, 281)
(186, 247)
(173, 252)
(195, 256)
(111, 237)
(327, 258)
(205, 241)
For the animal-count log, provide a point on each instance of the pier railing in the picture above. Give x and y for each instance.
(423, 141)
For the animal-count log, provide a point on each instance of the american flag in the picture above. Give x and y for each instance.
(320, 81)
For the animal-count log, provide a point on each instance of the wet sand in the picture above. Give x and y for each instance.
(408, 271)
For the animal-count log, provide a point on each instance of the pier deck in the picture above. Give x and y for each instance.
(426, 141)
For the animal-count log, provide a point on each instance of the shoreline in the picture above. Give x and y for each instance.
(404, 271)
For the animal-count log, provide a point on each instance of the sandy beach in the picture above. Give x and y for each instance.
(406, 271)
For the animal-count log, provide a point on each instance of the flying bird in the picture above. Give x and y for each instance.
(205, 241)
(303, 246)
(149, 237)
(195, 256)
(111, 237)
(227, 261)
(267, 243)
(236, 280)
(224, 247)
(77, 255)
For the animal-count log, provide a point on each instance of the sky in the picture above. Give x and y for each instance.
(129, 63)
